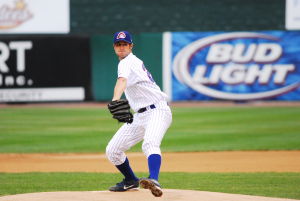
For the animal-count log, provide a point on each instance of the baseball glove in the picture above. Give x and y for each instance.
(120, 109)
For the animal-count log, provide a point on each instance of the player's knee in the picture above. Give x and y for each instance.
(114, 155)
(110, 153)
(150, 147)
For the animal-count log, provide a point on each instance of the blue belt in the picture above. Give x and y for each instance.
(144, 109)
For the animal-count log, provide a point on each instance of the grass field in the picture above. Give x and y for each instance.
(193, 129)
(38, 130)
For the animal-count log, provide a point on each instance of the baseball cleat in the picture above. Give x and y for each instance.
(124, 186)
(152, 185)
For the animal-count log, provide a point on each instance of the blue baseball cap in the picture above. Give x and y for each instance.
(122, 36)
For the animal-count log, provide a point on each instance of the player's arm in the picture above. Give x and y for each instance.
(119, 88)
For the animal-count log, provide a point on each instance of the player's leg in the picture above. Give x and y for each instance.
(159, 121)
(126, 137)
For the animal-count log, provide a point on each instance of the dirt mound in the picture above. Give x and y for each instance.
(136, 195)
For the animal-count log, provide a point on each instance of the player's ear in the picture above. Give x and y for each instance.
(131, 45)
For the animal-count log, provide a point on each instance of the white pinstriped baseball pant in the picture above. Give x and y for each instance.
(149, 126)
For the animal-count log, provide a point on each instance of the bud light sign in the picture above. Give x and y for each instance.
(235, 66)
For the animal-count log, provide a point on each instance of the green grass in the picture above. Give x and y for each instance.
(29, 130)
(264, 184)
(236, 128)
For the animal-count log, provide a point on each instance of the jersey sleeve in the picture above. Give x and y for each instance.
(124, 69)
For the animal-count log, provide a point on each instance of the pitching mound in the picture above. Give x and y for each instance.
(136, 195)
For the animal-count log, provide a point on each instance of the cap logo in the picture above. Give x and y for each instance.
(121, 35)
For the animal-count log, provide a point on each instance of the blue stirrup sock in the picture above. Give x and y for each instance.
(126, 170)
(154, 162)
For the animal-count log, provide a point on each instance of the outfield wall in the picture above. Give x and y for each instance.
(74, 60)
(188, 66)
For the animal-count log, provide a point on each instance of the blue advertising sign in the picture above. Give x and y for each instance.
(235, 65)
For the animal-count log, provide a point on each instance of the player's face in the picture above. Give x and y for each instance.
(122, 49)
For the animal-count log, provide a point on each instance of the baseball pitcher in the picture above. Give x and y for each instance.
(150, 121)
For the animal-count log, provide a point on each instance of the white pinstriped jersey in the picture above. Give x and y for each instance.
(141, 90)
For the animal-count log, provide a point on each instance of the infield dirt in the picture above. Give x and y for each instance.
(235, 161)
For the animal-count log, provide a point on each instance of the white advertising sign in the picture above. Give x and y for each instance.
(292, 15)
(34, 16)
(42, 94)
